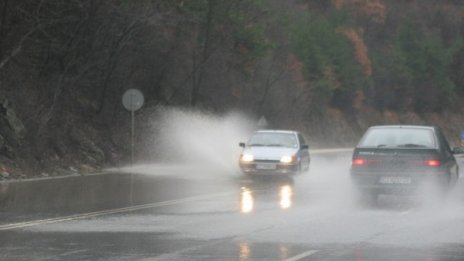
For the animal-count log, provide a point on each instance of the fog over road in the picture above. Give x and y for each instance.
(198, 213)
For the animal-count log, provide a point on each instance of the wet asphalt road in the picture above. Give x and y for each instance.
(189, 213)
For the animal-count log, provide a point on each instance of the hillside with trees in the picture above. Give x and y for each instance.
(328, 68)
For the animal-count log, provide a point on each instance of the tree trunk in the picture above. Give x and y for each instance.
(197, 79)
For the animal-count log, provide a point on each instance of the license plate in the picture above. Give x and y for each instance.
(395, 180)
(266, 166)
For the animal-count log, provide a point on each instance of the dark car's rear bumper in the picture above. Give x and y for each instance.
(398, 183)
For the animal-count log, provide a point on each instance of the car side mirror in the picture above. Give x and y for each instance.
(241, 144)
(458, 150)
(304, 146)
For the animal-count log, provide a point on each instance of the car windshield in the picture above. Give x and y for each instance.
(273, 139)
(398, 138)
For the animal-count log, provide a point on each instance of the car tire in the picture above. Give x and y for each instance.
(306, 166)
(299, 170)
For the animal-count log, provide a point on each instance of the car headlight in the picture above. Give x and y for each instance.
(247, 157)
(287, 159)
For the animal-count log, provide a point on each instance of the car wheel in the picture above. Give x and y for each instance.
(302, 168)
(306, 166)
(454, 179)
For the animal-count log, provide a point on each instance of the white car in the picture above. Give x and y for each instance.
(275, 152)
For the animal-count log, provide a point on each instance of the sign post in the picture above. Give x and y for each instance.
(132, 100)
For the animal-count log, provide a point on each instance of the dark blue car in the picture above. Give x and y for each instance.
(400, 159)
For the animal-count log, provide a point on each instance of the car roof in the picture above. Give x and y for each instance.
(277, 131)
(403, 127)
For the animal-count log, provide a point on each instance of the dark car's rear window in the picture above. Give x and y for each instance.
(398, 138)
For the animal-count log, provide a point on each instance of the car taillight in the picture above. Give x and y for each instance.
(433, 163)
(359, 162)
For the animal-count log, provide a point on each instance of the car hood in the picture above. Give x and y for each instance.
(269, 153)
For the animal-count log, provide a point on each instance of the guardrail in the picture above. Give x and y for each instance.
(329, 151)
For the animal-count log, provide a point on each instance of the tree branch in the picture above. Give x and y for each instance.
(16, 50)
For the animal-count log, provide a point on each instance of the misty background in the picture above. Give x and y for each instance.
(209, 69)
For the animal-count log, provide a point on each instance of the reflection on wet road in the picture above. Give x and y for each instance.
(246, 200)
(276, 192)
(196, 214)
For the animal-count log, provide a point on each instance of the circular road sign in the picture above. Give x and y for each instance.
(132, 99)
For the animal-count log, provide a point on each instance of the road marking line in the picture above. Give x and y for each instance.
(63, 176)
(62, 255)
(109, 211)
(302, 255)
